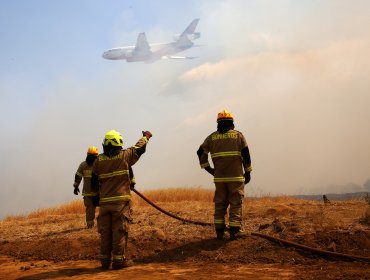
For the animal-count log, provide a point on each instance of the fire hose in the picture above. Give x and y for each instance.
(265, 236)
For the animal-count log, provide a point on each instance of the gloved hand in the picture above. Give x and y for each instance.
(147, 134)
(76, 190)
(132, 186)
(210, 170)
(247, 177)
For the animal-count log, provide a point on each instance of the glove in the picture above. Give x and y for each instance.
(210, 170)
(76, 190)
(132, 186)
(247, 177)
(147, 134)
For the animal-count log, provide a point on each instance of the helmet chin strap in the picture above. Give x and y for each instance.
(111, 150)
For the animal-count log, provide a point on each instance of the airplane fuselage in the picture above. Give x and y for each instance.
(157, 52)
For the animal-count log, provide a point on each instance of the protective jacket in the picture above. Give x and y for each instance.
(111, 174)
(84, 171)
(229, 152)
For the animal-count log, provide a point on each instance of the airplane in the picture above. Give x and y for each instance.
(149, 53)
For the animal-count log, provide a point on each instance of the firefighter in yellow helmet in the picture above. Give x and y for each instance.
(84, 171)
(111, 176)
(232, 166)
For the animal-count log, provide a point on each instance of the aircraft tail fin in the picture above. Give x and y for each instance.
(189, 34)
(191, 27)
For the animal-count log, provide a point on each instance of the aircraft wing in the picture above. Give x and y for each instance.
(142, 47)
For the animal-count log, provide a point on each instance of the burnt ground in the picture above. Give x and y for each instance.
(58, 247)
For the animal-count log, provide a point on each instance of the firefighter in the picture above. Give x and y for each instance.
(111, 175)
(232, 167)
(84, 171)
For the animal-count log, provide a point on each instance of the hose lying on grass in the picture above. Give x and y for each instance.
(268, 237)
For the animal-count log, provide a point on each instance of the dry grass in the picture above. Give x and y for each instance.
(365, 219)
(310, 215)
(14, 218)
(265, 208)
(157, 196)
(274, 199)
(175, 195)
(73, 207)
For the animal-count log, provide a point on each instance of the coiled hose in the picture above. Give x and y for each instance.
(265, 236)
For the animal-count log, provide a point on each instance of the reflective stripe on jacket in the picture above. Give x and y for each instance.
(228, 179)
(113, 173)
(226, 154)
(84, 171)
(89, 194)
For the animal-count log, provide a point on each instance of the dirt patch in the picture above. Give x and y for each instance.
(345, 242)
(56, 250)
(61, 247)
(180, 270)
(183, 270)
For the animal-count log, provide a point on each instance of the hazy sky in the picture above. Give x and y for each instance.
(294, 73)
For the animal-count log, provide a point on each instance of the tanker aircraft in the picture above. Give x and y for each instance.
(149, 53)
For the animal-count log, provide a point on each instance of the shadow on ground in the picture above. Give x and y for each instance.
(183, 252)
(61, 273)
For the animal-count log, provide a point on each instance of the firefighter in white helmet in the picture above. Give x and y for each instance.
(84, 171)
(232, 166)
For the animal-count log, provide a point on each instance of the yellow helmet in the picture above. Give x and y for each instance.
(114, 138)
(92, 150)
(224, 115)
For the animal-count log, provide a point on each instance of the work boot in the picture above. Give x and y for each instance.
(220, 233)
(237, 233)
(105, 263)
(119, 264)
